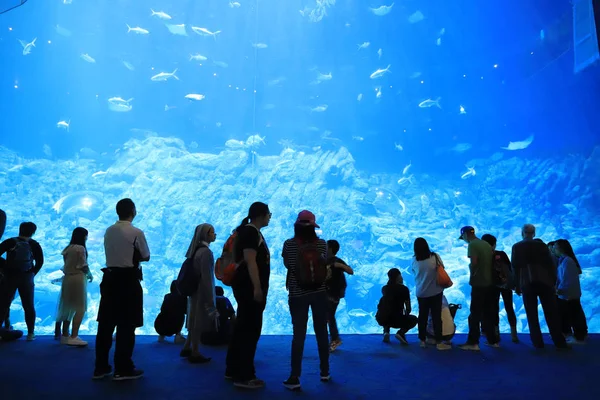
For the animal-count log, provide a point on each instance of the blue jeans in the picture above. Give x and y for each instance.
(299, 306)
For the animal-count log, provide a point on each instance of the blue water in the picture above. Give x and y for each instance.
(377, 169)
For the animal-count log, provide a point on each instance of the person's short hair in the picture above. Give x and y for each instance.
(528, 229)
(334, 245)
(491, 239)
(27, 229)
(219, 291)
(125, 209)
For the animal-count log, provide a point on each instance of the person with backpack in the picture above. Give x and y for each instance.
(121, 295)
(250, 284)
(6, 332)
(448, 325)
(73, 293)
(429, 293)
(304, 256)
(503, 278)
(393, 310)
(24, 260)
(202, 315)
(171, 317)
(221, 333)
(336, 290)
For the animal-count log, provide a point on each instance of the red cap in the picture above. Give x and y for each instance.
(305, 217)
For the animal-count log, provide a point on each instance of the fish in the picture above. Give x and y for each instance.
(163, 76)
(358, 138)
(64, 125)
(221, 64)
(405, 170)
(381, 11)
(519, 145)
(378, 92)
(62, 31)
(461, 147)
(197, 57)
(430, 103)
(167, 107)
(160, 15)
(67, 1)
(462, 110)
(380, 72)
(380, 53)
(405, 179)
(86, 57)
(439, 41)
(388, 241)
(259, 45)
(177, 29)
(234, 4)
(470, 172)
(359, 97)
(138, 30)
(99, 173)
(119, 104)
(398, 147)
(194, 96)
(363, 45)
(205, 32)
(402, 205)
(128, 65)
(357, 312)
(417, 16)
(415, 75)
(322, 78)
(321, 108)
(27, 46)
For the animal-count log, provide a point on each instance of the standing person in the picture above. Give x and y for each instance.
(304, 256)
(535, 276)
(202, 314)
(506, 292)
(568, 290)
(73, 293)
(250, 289)
(482, 291)
(393, 310)
(4, 319)
(24, 260)
(336, 290)
(121, 295)
(429, 293)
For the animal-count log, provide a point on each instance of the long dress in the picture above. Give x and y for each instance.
(73, 294)
(202, 305)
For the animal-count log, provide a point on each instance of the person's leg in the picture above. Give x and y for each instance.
(435, 303)
(319, 306)
(65, 328)
(299, 311)
(423, 317)
(254, 332)
(26, 289)
(530, 302)
(103, 345)
(77, 319)
(507, 299)
(124, 346)
(238, 337)
(578, 320)
(494, 308)
(490, 315)
(475, 316)
(332, 309)
(548, 300)
(409, 322)
(563, 313)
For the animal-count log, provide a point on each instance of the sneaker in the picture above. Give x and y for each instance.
(386, 338)
(64, 340)
(180, 339)
(135, 374)
(431, 341)
(30, 337)
(161, 339)
(334, 345)
(293, 383)
(102, 373)
(325, 377)
(494, 345)
(443, 346)
(401, 337)
(422, 344)
(76, 341)
(572, 340)
(228, 377)
(250, 384)
(469, 347)
(513, 335)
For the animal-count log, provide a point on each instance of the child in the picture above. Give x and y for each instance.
(336, 289)
(393, 310)
(448, 326)
(170, 320)
(224, 328)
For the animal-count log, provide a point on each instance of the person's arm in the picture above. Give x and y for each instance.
(344, 267)
(284, 253)
(408, 305)
(516, 265)
(7, 245)
(207, 281)
(38, 256)
(142, 245)
(472, 256)
(561, 280)
(250, 260)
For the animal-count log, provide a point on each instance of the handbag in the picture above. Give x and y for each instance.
(443, 279)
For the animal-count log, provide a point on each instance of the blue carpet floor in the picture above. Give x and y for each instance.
(362, 368)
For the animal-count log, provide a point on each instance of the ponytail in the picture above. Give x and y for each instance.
(245, 222)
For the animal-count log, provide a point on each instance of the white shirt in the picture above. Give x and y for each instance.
(120, 240)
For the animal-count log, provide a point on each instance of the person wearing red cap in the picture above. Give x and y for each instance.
(304, 256)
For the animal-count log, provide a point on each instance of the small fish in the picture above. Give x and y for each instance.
(193, 96)
(322, 78)
(359, 97)
(542, 35)
(163, 76)
(378, 92)
(167, 107)
(363, 45)
(67, 1)
(259, 45)
(519, 145)
(118, 104)
(358, 138)
(442, 31)
(388, 241)
(416, 17)
(381, 11)
(160, 15)
(197, 57)
(405, 170)
(62, 31)
(357, 312)
(461, 147)
(380, 72)
(470, 172)
(380, 53)
(405, 179)
(439, 41)
(205, 32)
(27, 47)
(137, 30)
(234, 4)
(221, 64)
(462, 110)
(321, 108)
(430, 103)
(415, 75)
(402, 205)
(99, 173)
(128, 65)
(177, 29)
(64, 125)
(398, 147)
(86, 57)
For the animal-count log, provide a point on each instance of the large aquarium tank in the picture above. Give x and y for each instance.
(390, 120)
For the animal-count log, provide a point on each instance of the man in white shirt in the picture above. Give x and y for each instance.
(121, 296)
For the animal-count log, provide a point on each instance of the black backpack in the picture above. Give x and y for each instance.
(21, 256)
(188, 280)
(501, 274)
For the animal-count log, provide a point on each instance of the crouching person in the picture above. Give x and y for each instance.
(221, 334)
(393, 310)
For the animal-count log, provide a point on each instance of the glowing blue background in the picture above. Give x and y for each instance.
(342, 164)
